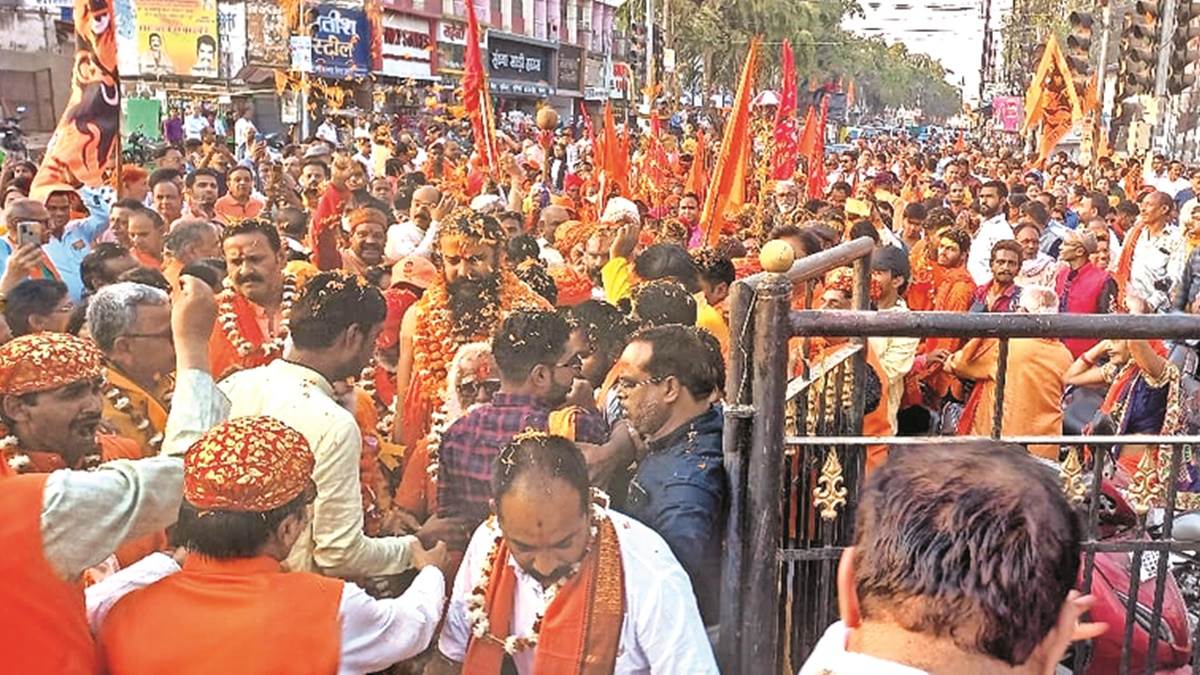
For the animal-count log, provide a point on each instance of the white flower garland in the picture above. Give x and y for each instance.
(17, 461)
(272, 344)
(477, 614)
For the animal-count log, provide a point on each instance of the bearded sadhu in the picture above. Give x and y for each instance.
(472, 293)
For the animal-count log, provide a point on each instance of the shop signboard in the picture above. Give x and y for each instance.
(452, 46)
(174, 38)
(341, 45)
(407, 46)
(267, 35)
(519, 61)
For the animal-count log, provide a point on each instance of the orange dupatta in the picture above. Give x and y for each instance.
(582, 627)
(1125, 263)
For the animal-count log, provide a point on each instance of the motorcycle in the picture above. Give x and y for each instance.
(1111, 575)
(12, 138)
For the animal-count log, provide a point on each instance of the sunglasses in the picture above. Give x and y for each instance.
(471, 389)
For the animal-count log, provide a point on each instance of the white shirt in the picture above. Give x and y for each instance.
(548, 253)
(194, 126)
(333, 543)
(830, 657)
(896, 356)
(1157, 267)
(1171, 187)
(979, 260)
(375, 633)
(402, 240)
(661, 632)
(243, 133)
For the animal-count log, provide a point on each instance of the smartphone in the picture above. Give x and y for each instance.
(29, 232)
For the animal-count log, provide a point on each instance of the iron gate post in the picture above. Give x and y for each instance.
(764, 485)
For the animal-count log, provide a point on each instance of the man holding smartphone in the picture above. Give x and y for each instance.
(21, 255)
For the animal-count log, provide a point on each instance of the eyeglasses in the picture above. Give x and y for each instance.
(629, 384)
(472, 388)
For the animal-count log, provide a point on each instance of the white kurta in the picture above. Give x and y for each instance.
(661, 633)
(830, 657)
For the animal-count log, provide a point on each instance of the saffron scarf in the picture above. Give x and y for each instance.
(1125, 263)
(582, 628)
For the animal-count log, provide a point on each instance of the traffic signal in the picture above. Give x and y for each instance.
(1139, 35)
(1079, 47)
(1185, 47)
(637, 48)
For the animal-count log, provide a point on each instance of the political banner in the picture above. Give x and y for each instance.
(231, 22)
(267, 35)
(177, 37)
(341, 41)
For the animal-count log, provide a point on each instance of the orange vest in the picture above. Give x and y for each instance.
(43, 624)
(237, 616)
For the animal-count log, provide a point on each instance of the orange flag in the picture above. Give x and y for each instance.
(83, 150)
(850, 95)
(808, 137)
(1051, 100)
(697, 178)
(614, 155)
(476, 98)
(727, 191)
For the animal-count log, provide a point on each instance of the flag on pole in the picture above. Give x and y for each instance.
(85, 147)
(1051, 100)
(808, 137)
(816, 157)
(476, 98)
(786, 134)
(850, 95)
(728, 187)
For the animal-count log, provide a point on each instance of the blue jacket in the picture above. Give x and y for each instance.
(681, 491)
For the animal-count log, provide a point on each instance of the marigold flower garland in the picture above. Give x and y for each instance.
(272, 344)
(477, 600)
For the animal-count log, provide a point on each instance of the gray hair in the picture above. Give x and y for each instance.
(1038, 300)
(112, 311)
(186, 232)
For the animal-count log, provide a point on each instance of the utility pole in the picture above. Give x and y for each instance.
(1166, 31)
(305, 122)
(1102, 63)
(650, 54)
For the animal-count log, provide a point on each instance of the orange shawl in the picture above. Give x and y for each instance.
(1125, 263)
(582, 628)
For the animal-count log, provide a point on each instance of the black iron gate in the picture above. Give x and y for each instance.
(795, 457)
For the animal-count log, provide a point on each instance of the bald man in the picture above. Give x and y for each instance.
(552, 216)
(1152, 263)
(409, 237)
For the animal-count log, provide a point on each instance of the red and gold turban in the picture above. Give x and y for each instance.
(45, 361)
(250, 464)
(572, 233)
(840, 278)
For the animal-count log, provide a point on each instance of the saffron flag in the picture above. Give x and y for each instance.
(808, 137)
(727, 190)
(786, 134)
(613, 155)
(1051, 100)
(816, 157)
(83, 150)
(850, 95)
(476, 99)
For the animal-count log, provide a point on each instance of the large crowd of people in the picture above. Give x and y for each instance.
(246, 395)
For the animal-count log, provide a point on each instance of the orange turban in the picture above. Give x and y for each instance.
(573, 286)
(250, 464)
(572, 233)
(45, 361)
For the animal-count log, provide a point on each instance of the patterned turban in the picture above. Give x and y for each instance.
(252, 464)
(45, 361)
(840, 278)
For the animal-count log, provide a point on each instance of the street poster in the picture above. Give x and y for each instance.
(177, 37)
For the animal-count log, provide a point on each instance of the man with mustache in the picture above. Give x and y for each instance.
(368, 232)
(60, 522)
(467, 300)
(252, 312)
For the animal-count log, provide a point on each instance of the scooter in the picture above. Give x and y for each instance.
(1110, 585)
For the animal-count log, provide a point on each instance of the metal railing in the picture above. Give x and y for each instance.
(794, 453)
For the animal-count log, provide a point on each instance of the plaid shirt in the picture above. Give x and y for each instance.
(471, 444)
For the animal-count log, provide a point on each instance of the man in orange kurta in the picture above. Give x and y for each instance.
(1033, 386)
(952, 292)
(253, 476)
(250, 328)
